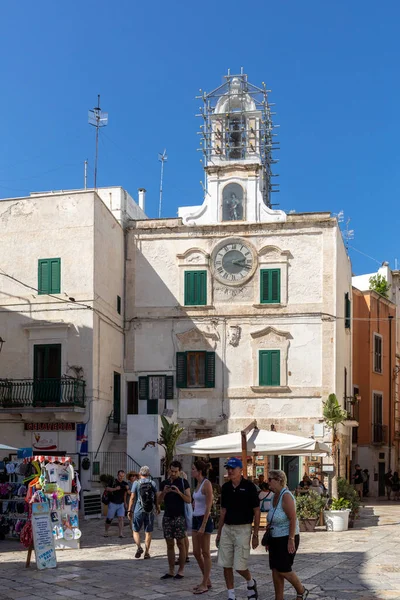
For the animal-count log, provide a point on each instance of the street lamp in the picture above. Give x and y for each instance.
(1, 343)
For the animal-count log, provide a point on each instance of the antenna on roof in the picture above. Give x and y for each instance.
(98, 119)
(162, 158)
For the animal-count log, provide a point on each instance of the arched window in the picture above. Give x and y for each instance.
(236, 137)
(232, 202)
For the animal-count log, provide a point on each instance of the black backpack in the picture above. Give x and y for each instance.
(147, 496)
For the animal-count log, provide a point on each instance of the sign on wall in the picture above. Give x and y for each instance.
(44, 441)
(49, 426)
(43, 539)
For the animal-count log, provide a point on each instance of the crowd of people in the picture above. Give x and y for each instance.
(241, 504)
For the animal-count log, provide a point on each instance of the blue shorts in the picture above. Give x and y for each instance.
(143, 519)
(198, 521)
(115, 510)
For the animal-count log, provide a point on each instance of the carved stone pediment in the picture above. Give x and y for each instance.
(193, 256)
(194, 339)
(273, 253)
(272, 333)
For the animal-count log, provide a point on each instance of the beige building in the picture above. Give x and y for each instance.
(236, 311)
(62, 277)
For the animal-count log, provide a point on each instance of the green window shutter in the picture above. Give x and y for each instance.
(143, 388)
(195, 288)
(55, 275)
(119, 305)
(275, 367)
(210, 369)
(347, 319)
(169, 387)
(270, 286)
(269, 367)
(181, 370)
(43, 276)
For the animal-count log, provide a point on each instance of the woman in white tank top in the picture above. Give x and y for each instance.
(202, 523)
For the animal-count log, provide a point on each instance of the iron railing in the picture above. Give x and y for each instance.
(109, 463)
(353, 409)
(379, 433)
(63, 392)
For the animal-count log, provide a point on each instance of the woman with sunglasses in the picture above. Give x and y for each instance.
(284, 536)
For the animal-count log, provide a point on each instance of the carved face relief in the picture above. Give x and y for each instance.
(234, 334)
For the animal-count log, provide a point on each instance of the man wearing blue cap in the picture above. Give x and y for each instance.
(239, 507)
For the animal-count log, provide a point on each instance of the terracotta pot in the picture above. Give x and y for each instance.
(308, 524)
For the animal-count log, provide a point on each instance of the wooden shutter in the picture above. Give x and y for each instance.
(195, 288)
(189, 288)
(43, 276)
(275, 367)
(270, 286)
(143, 388)
(169, 387)
(269, 367)
(55, 279)
(275, 276)
(210, 369)
(347, 320)
(181, 370)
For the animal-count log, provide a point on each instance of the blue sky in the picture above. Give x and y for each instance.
(332, 68)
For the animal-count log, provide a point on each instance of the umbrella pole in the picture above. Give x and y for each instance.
(244, 432)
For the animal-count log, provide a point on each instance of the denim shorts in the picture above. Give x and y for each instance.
(143, 519)
(115, 510)
(198, 521)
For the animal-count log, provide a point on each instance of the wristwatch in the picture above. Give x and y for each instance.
(291, 538)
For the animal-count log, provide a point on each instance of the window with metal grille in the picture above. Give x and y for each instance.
(156, 390)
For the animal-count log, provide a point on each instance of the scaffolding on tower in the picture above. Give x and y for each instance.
(237, 126)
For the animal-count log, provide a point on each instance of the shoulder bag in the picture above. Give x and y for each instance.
(267, 537)
(188, 510)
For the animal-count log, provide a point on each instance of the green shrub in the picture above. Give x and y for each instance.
(340, 504)
(346, 491)
(308, 506)
(106, 480)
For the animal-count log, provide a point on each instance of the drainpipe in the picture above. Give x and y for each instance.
(390, 390)
(142, 198)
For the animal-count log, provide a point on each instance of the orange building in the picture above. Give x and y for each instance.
(374, 362)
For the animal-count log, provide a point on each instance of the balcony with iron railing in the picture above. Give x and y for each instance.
(352, 408)
(379, 433)
(63, 393)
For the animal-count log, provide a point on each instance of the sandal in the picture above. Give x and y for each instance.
(304, 595)
(253, 588)
(139, 552)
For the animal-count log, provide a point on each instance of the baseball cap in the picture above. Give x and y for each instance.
(233, 463)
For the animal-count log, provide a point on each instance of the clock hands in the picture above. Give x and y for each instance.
(240, 262)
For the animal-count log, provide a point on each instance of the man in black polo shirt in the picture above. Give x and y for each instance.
(239, 506)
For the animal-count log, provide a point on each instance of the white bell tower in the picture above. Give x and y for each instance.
(237, 142)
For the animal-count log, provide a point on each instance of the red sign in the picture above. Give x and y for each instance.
(49, 426)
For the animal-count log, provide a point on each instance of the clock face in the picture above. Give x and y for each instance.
(233, 262)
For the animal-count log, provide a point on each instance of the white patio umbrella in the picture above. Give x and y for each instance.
(259, 441)
(4, 447)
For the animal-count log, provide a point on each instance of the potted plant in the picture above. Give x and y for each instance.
(337, 515)
(346, 491)
(308, 508)
(334, 415)
(169, 435)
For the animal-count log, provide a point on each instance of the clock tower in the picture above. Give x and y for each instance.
(237, 143)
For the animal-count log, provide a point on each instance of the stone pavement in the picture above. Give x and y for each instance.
(360, 564)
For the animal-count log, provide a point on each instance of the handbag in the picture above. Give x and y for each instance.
(188, 511)
(267, 537)
(105, 499)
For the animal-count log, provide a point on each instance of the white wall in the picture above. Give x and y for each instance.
(143, 429)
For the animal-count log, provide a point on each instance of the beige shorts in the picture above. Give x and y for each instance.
(358, 487)
(234, 547)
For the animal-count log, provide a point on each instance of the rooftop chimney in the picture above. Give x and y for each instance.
(142, 198)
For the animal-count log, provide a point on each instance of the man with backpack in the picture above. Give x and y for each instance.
(144, 499)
